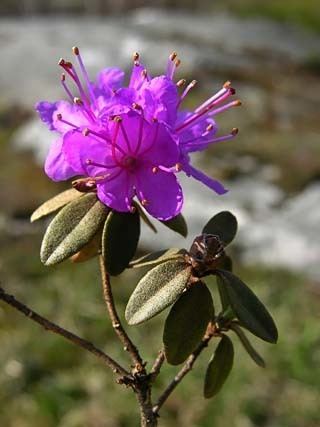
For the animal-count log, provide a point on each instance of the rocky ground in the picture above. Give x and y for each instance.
(272, 169)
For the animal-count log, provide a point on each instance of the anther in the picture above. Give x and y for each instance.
(77, 101)
(61, 61)
(177, 63)
(136, 106)
(68, 64)
(117, 119)
(209, 127)
(181, 82)
(85, 132)
(237, 103)
(59, 116)
(193, 83)
(178, 167)
(232, 91)
(133, 209)
(88, 162)
(227, 84)
(155, 169)
(75, 50)
(63, 77)
(234, 131)
(144, 202)
(173, 56)
(136, 56)
(144, 73)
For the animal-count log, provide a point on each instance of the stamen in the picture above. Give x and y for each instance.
(155, 169)
(187, 89)
(181, 82)
(209, 127)
(126, 137)
(117, 120)
(76, 51)
(205, 111)
(235, 131)
(90, 162)
(144, 202)
(196, 145)
(59, 117)
(135, 57)
(171, 65)
(78, 101)
(227, 84)
(140, 134)
(178, 167)
(64, 85)
(217, 98)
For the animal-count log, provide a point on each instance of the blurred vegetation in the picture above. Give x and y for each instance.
(305, 13)
(45, 382)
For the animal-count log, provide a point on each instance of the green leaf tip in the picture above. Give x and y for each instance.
(120, 240)
(177, 224)
(219, 367)
(248, 308)
(224, 225)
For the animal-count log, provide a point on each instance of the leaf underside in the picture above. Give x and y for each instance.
(72, 228)
(158, 289)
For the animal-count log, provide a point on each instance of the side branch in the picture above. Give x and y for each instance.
(115, 320)
(155, 370)
(183, 371)
(52, 327)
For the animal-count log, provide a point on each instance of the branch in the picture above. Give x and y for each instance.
(52, 327)
(155, 370)
(115, 320)
(184, 370)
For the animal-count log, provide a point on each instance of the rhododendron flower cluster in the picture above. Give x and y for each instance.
(131, 141)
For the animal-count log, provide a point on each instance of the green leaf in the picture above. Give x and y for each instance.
(185, 327)
(72, 228)
(177, 224)
(155, 258)
(224, 225)
(224, 298)
(248, 308)
(158, 289)
(255, 356)
(57, 202)
(120, 240)
(219, 367)
(145, 217)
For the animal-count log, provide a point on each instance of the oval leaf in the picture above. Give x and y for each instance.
(145, 217)
(177, 224)
(155, 258)
(120, 240)
(72, 228)
(90, 250)
(185, 327)
(219, 367)
(158, 289)
(248, 308)
(57, 202)
(255, 356)
(224, 225)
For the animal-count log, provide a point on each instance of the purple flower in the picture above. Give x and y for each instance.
(131, 141)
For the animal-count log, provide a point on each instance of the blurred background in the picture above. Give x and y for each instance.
(271, 53)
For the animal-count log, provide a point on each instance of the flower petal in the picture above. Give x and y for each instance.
(162, 192)
(117, 193)
(78, 149)
(56, 166)
(108, 80)
(215, 185)
(45, 110)
(159, 99)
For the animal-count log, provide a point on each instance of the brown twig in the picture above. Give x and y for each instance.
(52, 327)
(183, 371)
(115, 320)
(155, 370)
